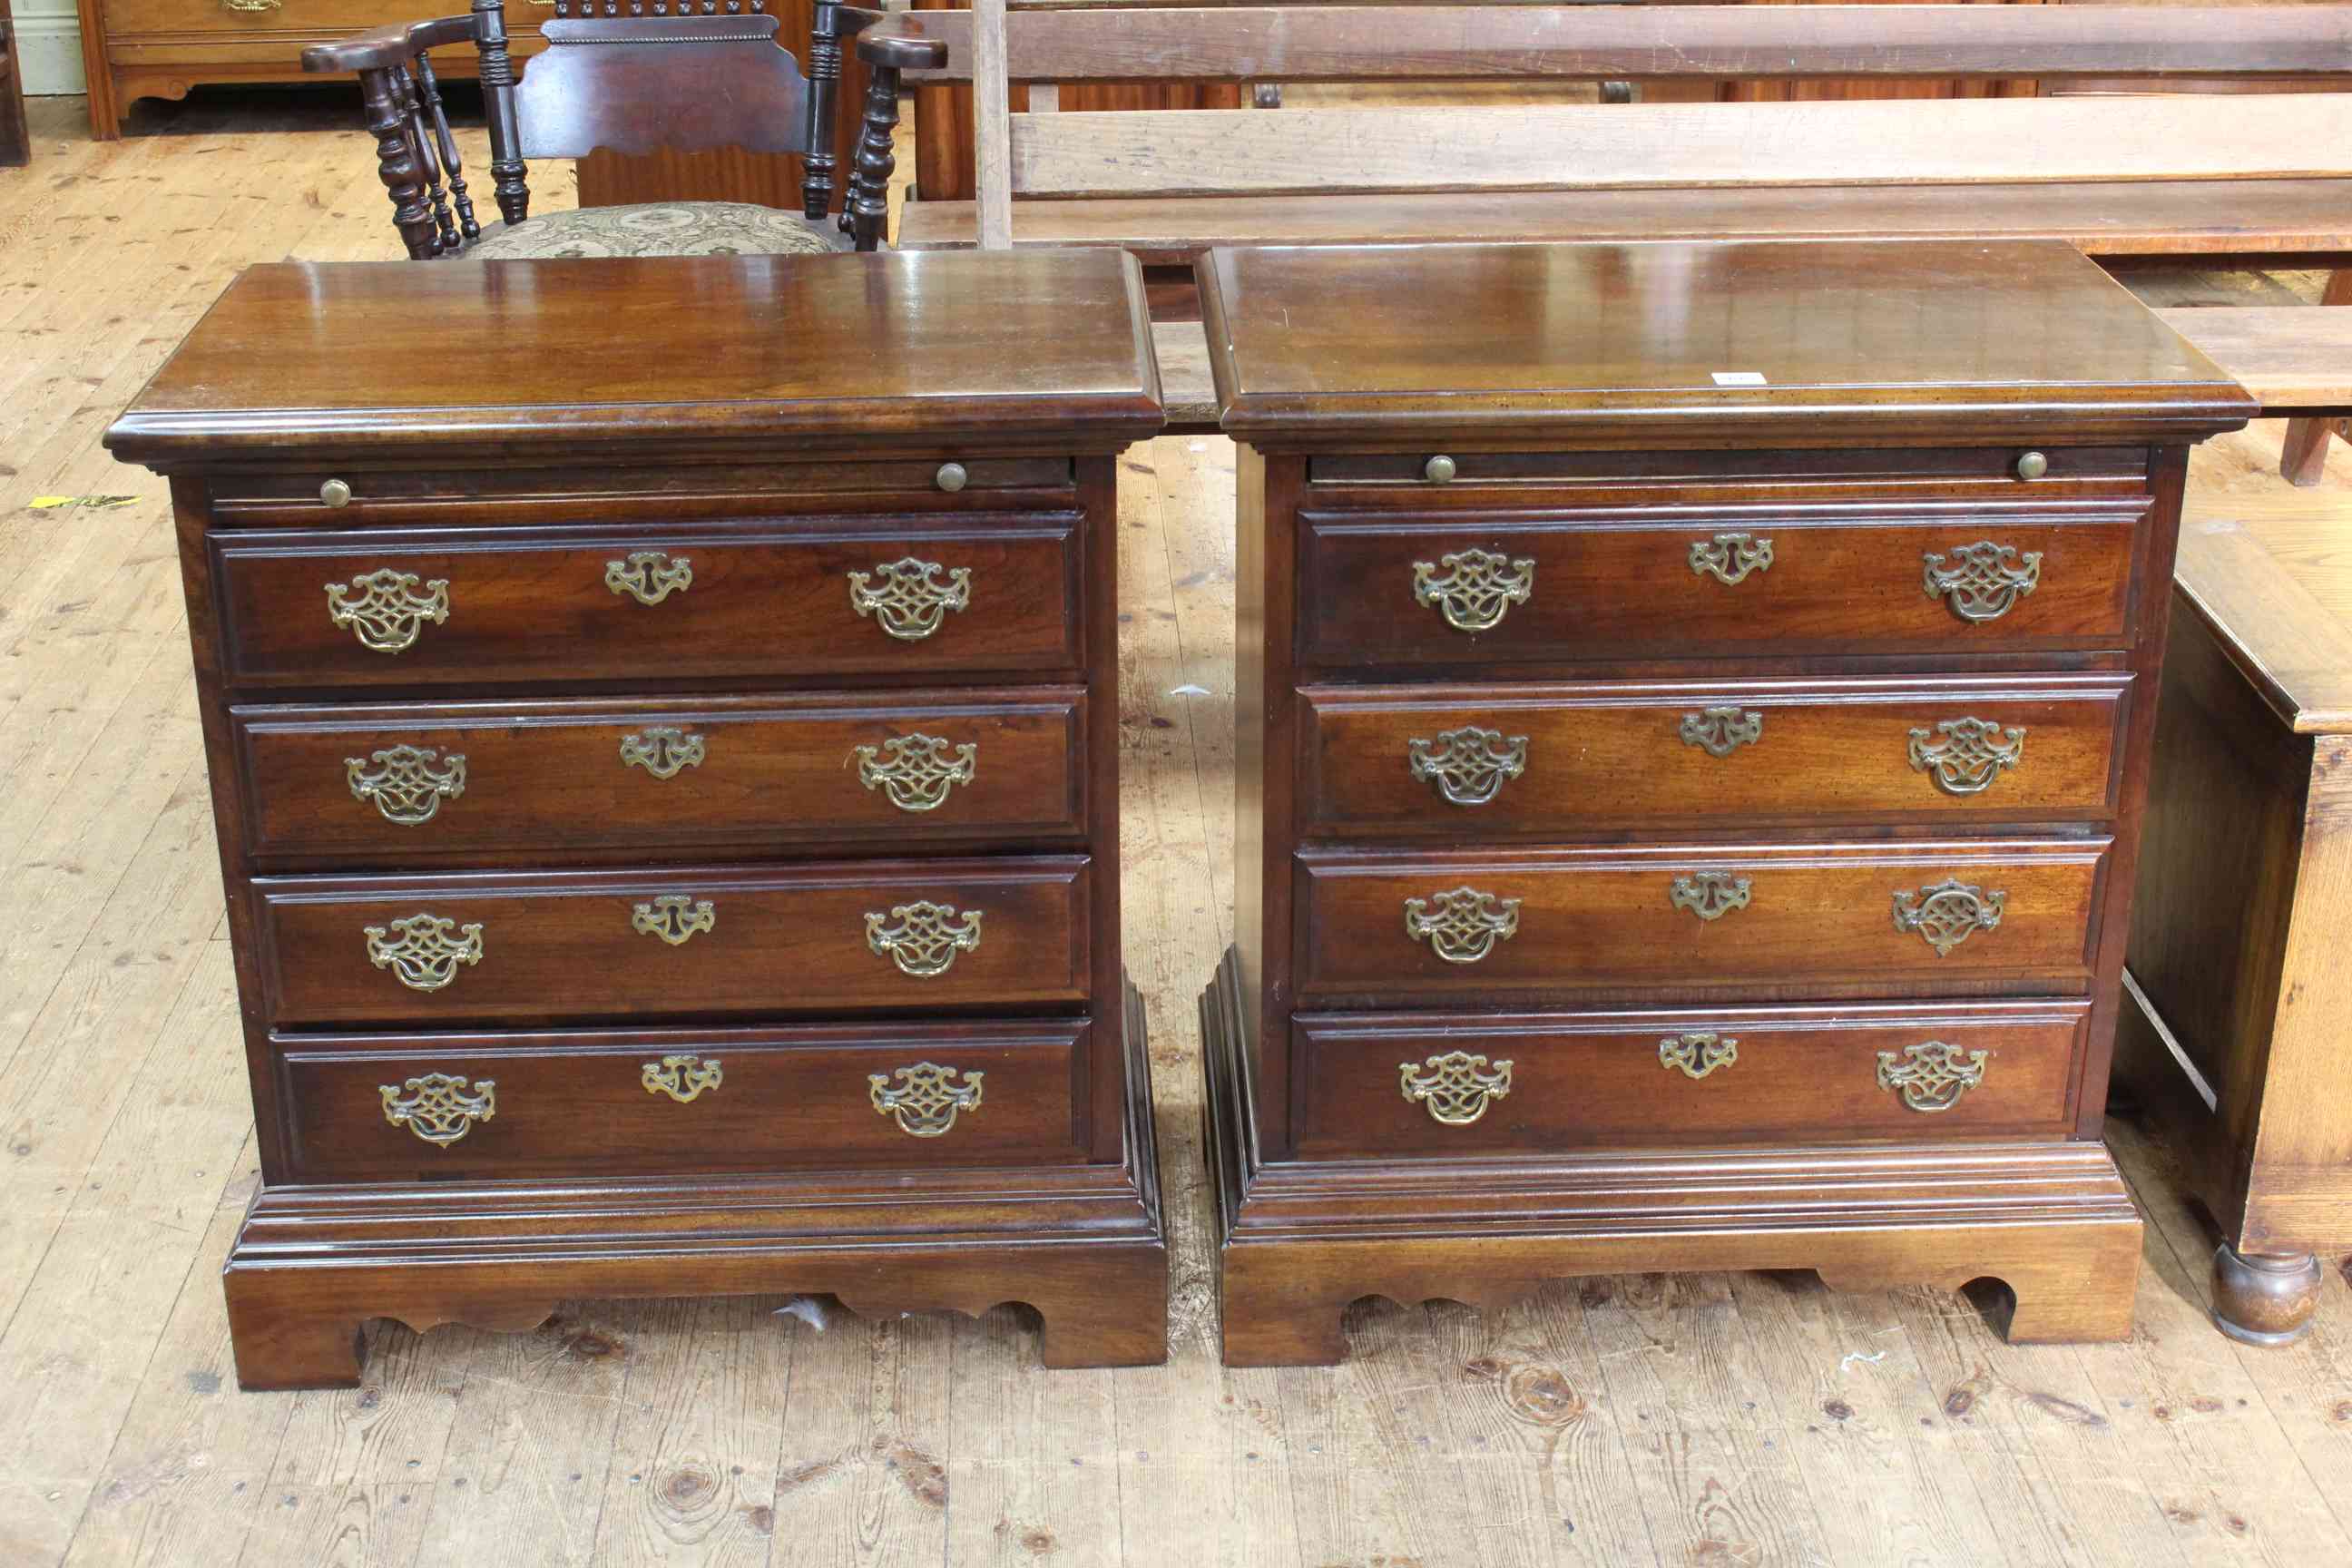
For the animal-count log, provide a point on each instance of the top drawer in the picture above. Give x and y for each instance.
(1508, 583)
(828, 596)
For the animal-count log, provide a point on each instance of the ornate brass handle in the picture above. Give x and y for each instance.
(926, 1099)
(913, 599)
(1478, 589)
(408, 784)
(251, 5)
(674, 917)
(1728, 558)
(649, 576)
(1720, 731)
(1946, 913)
(1698, 1055)
(386, 609)
(1709, 895)
(682, 1077)
(437, 1108)
(662, 752)
(1467, 766)
(917, 771)
(1969, 754)
(1466, 926)
(926, 938)
(1930, 1076)
(424, 951)
(1984, 579)
(1456, 1088)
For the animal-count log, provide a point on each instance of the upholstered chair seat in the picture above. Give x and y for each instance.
(660, 228)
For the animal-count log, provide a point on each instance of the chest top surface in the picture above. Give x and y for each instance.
(1722, 344)
(526, 358)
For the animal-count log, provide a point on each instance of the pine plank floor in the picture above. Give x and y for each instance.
(1707, 1419)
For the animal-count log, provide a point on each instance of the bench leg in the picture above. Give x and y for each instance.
(2303, 459)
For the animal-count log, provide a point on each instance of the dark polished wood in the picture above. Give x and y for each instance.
(1721, 808)
(668, 838)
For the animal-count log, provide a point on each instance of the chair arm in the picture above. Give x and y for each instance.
(899, 44)
(395, 44)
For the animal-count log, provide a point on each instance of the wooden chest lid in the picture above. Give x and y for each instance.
(588, 359)
(1708, 344)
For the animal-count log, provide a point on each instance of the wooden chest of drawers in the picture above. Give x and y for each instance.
(670, 836)
(1695, 706)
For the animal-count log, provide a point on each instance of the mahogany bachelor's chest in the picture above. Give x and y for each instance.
(661, 734)
(1695, 710)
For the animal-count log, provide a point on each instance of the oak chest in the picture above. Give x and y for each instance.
(662, 732)
(1695, 706)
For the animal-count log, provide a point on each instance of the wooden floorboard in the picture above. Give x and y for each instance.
(1712, 1419)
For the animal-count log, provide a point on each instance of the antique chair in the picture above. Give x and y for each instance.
(630, 76)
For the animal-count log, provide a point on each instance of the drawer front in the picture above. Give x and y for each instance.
(1694, 917)
(673, 1103)
(1474, 1084)
(1690, 478)
(377, 608)
(1475, 761)
(1445, 588)
(882, 771)
(907, 936)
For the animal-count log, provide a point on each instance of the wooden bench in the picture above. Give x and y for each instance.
(2262, 178)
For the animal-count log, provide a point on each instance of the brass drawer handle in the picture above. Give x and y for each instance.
(926, 1099)
(1985, 580)
(927, 938)
(1456, 1088)
(1467, 766)
(1969, 755)
(1931, 1076)
(674, 917)
(424, 951)
(1728, 558)
(912, 600)
(408, 784)
(252, 6)
(662, 752)
(682, 1077)
(1698, 1054)
(1478, 589)
(1722, 730)
(1947, 913)
(386, 609)
(1466, 926)
(916, 772)
(649, 576)
(1709, 895)
(438, 1108)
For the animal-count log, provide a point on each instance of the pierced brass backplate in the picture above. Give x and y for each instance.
(1466, 926)
(662, 752)
(1709, 895)
(916, 772)
(682, 1077)
(437, 1108)
(386, 609)
(649, 576)
(1467, 766)
(674, 917)
(1456, 1087)
(1983, 580)
(926, 937)
(1946, 913)
(926, 1099)
(424, 951)
(1720, 731)
(408, 784)
(1478, 589)
(913, 598)
(1930, 1076)
(1971, 753)
(1728, 558)
(1698, 1054)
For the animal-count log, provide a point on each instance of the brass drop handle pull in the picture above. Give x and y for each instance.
(683, 1078)
(922, 938)
(1455, 1089)
(437, 1108)
(926, 1099)
(1464, 924)
(1473, 589)
(916, 772)
(1983, 581)
(425, 950)
(1965, 755)
(1930, 1076)
(2031, 466)
(386, 609)
(406, 784)
(335, 494)
(251, 5)
(1439, 470)
(912, 596)
(1946, 913)
(952, 478)
(1467, 766)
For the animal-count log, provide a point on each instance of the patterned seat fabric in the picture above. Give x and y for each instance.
(661, 229)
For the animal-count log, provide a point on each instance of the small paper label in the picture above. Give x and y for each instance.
(1738, 378)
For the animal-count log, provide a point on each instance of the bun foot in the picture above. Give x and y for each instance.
(2262, 1300)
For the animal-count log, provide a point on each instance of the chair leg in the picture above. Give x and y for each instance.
(396, 166)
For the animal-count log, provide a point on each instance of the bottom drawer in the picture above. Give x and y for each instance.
(1542, 1082)
(421, 1107)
